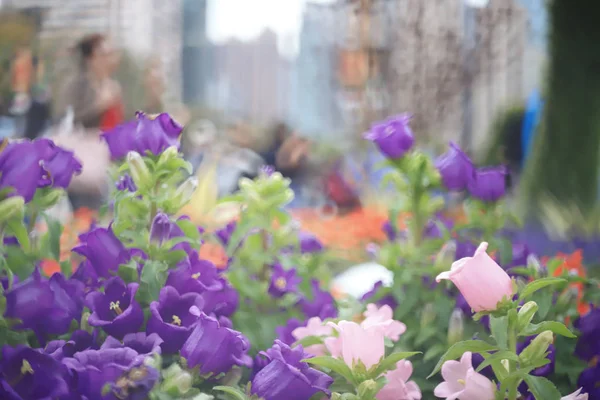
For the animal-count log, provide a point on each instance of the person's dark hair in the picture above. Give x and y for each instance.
(280, 132)
(86, 46)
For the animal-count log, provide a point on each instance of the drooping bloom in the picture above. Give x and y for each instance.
(310, 243)
(455, 168)
(194, 275)
(488, 184)
(30, 374)
(393, 137)
(103, 250)
(144, 134)
(214, 348)
(59, 165)
(45, 306)
(357, 344)
(96, 368)
(398, 385)
(172, 319)
(160, 229)
(283, 281)
(285, 333)
(286, 377)
(481, 281)
(143, 344)
(126, 184)
(116, 311)
(462, 382)
(314, 327)
(383, 318)
(321, 305)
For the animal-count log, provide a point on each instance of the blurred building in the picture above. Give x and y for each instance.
(142, 27)
(314, 108)
(197, 51)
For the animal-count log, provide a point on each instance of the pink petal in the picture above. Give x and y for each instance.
(446, 391)
(477, 387)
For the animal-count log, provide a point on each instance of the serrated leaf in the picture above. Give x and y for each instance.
(542, 388)
(538, 284)
(458, 349)
(553, 326)
(333, 364)
(390, 362)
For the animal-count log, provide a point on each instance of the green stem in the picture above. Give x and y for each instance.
(32, 220)
(513, 392)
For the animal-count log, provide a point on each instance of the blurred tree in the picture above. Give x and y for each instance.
(564, 166)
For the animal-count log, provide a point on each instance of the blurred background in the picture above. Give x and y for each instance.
(291, 83)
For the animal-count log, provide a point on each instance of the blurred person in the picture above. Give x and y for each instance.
(279, 133)
(93, 94)
(38, 115)
(21, 80)
(154, 85)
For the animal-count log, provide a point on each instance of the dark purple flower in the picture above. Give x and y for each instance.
(520, 253)
(464, 249)
(224, 234)
(126, 184)
(30, 374)
(4, 281)
(390, 231)
(214, 348)
(588, 345)
(287, 377)
(95, 368)
(393, 137)
(388, 299)
(194, 275)
(310, 243)
(223, 302)
(47, 307)
(79, 341)
(59, 165)
(160, 230)
(144, 134)
(141, 342)
(589, 380)
(283, 281)
(135, 384)
(116, 311)
(284, 333)
(432, 228)
(488, 184)
(172, 317)
(87, 275)
(104, 251)
(455, 167)
(477, 359)
(320, 305)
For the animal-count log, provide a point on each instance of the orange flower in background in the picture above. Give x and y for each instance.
(214, 253)
(573, 264)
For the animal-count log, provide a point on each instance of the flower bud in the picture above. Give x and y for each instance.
(368, 389)
(537, 348)
(184, 193)
(139, 171)
(534, 262)
(50, 198)
(11, 208)
(428, 315)
(456, 327)
(160, 229)
(526, 314)
(177, 383)
(169, 154)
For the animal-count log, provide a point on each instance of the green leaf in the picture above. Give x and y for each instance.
(309, 341)
(434, 351)
(333, 364)
(497, 356)
(390, 362)
(173, 257)
(458, 349)
(499, 328)
(55, 230)
(542, 388)
(235, 393)
(66, 268)
(553, 326)
(154, 276)
(189, 229)
(19, 230)
(128, 272)
(538, 284)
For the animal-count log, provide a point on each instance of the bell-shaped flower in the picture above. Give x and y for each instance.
(393, 137)
(481, 281)
(357, 344)
(383, 317)
(462, 382)
(398, 385)
(455, 168)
